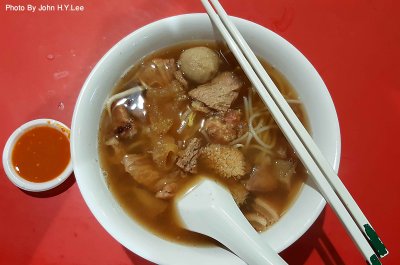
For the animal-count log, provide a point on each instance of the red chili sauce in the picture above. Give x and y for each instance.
(41, 154)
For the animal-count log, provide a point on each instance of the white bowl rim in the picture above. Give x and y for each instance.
(136, 247)
(14, 177)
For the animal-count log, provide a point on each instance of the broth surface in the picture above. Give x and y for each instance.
(141, 204)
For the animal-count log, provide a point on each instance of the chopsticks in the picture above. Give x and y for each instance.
(330, 185)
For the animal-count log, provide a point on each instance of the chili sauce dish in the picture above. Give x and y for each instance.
(37, 156)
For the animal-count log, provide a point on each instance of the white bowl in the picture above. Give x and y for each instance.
(14, 177)
(85, 124)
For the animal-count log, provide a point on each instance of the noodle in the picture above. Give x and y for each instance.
(185, 120)
(265, 150)
(240, 139)
(293, 101)
(264, 138)
(205, 136)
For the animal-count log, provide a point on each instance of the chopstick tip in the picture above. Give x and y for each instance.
(373, 260)
(375, 241)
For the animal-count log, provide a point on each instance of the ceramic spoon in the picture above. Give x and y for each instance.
(209, 209)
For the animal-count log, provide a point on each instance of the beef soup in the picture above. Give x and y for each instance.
(188, 111)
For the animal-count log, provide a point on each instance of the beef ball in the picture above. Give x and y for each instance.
(199, 64)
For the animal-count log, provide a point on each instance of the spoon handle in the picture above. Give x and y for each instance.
(210, 209)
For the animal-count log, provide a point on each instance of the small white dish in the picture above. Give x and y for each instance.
(12, 174)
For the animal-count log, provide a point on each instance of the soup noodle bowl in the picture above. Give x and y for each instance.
(97, 88)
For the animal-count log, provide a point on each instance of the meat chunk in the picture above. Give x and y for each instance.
(285, 169)
(218, 131)
(269, 175)
(167, 192)
(263, 179)
(232, 117)
(168, 185)
(199, 106)
(225, 128)
(239, 192)
(179, 76)
(265, 209)
(226, 161)
(164, 151)
(153, 206)
(220, 93)
(141, 169)
(123, 123)
(157, 72)
(199, 64)
(258, 222)
(188, 158)
(262, 214)
(115, 145)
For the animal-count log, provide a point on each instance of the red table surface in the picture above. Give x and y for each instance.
(355, 46)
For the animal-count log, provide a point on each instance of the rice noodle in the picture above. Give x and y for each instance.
(184, 120)
(264, 128)
(163, 72)
(248, 140)
(293, 101)
(260, 125)
(237, 146)
(205, 136)
(250, 102)
(187, 119)
(253, 131)
(190, 131)
(262, 149)
(246, 108)
(240, 139)
(143, 83)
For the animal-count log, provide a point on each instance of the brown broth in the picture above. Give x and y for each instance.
(128, 192)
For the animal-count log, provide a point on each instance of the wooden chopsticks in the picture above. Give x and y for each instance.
(330, 185)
